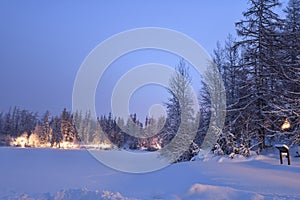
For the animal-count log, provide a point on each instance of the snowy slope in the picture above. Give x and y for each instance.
(60, 174)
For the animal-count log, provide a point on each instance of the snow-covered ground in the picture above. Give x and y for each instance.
(75, 174)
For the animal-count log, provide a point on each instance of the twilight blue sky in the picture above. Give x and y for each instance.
(43, 44)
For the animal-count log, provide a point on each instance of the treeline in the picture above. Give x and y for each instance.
(261, 73)
(131, 134)
(77, 128)
(45, 130)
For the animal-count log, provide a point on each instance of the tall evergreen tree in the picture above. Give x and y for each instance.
(181, 117)
(57, 136)
(1, 122)
(259, 33)
(7, 126)
(46, 129)
(78, 125)
(228, 62)
(290, 71)
(67, 127)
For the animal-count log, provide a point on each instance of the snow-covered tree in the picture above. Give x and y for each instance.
(181, 115)
(78, 124)
(259, 37)
(67, 127)
(1, 122)
(56, 136)
(46, 129)
(290, 69)
(7, 124)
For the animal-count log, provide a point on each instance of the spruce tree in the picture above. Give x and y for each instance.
(46, 129)
(259, 34)
(290, 71)
(181, 114)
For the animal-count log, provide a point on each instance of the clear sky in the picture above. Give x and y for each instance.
(43, 44)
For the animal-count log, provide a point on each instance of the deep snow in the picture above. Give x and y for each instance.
(71, 174)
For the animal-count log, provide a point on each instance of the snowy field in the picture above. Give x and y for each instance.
(74, 174)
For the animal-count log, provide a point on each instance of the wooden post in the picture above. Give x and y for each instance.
(281, 162)
(284, 149)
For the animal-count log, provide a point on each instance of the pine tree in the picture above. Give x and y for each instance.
(290, 70)
(7, 126)
(230, 65)
(259, 32)
(57, 136)
(120, 132)
(34, 138)
(1, 122)
(132, 132)
(4, 139)
(78, 125)
(67, 127)
(46, 129)
(16, 129)
(180, 117)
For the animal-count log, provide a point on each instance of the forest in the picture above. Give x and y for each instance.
(260, 68)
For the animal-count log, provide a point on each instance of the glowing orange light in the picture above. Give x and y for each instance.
(286, 125)
(20, 141)
(34, 141)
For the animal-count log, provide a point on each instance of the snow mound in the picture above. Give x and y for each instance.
(70, 194)
(200, 191)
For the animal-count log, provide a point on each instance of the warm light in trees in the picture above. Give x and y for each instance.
(286, 125)
(34, 141)
(20, 141)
